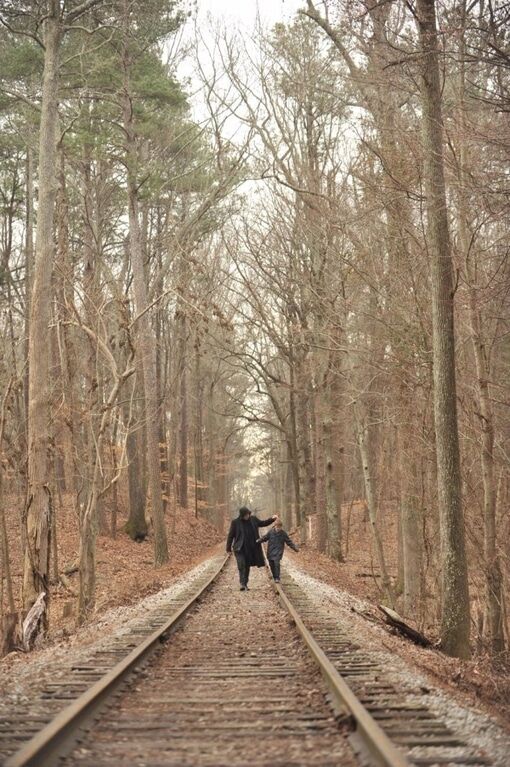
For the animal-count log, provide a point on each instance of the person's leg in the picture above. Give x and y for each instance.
(271, 566)
(247, 575)
(277, 569)
(241, 566)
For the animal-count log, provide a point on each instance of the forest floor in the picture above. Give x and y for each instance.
(484, 680)
(125, 570)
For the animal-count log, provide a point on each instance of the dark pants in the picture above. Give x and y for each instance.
(243, 567)
(274, 564)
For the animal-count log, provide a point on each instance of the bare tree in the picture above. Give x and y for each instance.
(455, 617)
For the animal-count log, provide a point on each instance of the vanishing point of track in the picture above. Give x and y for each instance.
(233, 686)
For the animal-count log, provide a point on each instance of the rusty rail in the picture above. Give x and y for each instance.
(58, 737)
(377, 743)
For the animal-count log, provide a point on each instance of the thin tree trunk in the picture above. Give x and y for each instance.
(332, 503)
(38, 510)
(492, 564)
(303, 433)
(411, 521)
(370, 494)
(63, 279)
(161, 368)
(183, 410)
(146, 348)
(335, 468)
(88, 530)
(323, 527)
(289, 487)
(293, 448)
(198, 429)
(136, 526)
(92, 294)
(455, 612)
(115, 468)
(212, 448)
(4, 540)
(29, 265)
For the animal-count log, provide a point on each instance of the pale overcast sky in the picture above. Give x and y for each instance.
(244, 11)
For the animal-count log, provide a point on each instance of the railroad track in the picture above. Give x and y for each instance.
(235, 686)
(26, 724)
(400, 712)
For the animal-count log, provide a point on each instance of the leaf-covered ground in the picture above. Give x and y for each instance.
(125, 570)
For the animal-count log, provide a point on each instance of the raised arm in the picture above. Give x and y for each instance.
(264, 522)
(264, 539)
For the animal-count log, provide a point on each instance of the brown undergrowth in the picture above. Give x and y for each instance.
(125, 571)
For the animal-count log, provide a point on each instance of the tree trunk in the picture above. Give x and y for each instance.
(332, 502)
(293, 448)
(303, 439)
(493, 575)
(288, 501)
(4, 540)
(323, 527)
(334, 455)
(92, 293)
(63, 279)
(29, 265)
(38, 511)
(183, 411)
(214, 498)
(136, 525)
(411, 521)
(88, 529)
(370, 495)
(455, 612)
(334, 442)
(222, 494)
(492, 564)
(147, 356)
(198, 432)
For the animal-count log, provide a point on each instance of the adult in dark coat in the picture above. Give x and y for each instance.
(242, 540)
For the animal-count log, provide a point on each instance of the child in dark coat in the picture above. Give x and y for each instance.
(276, 539)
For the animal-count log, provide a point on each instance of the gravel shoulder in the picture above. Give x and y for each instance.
(480, 725)
(22, 675)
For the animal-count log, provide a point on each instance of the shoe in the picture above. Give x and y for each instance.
(277, 580)
(247, 588)
(242, 588)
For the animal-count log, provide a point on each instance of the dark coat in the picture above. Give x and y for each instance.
(276, 540)
(235, 537)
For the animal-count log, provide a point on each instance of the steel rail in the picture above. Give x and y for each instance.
(374, 739)
(57, 738)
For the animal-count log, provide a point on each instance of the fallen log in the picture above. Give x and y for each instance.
(394, 620)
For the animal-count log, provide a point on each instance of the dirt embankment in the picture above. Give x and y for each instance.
(125, 570)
